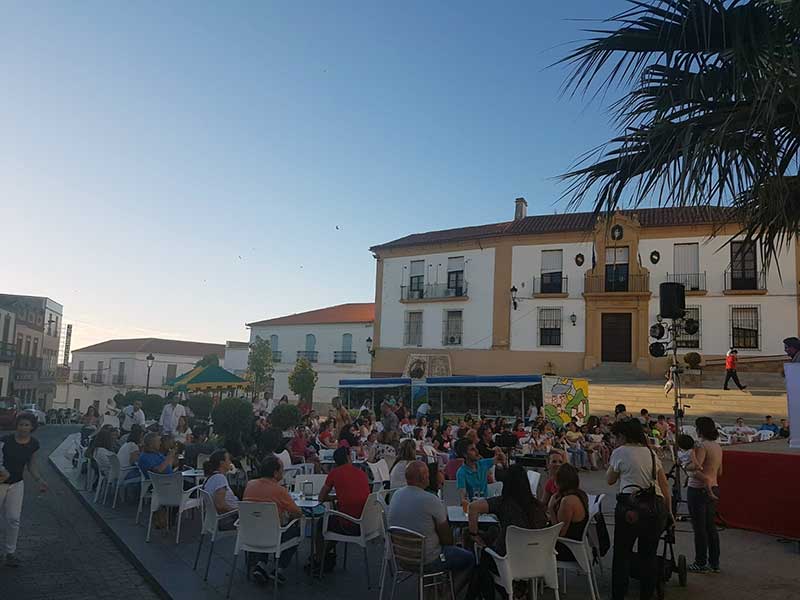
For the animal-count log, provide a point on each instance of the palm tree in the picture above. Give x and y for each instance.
(711, 115)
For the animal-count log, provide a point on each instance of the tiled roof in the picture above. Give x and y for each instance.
(569, 222)
(157, 346)
(363, 312)
(232, 344)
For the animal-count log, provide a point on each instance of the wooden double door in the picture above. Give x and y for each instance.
(616, 337)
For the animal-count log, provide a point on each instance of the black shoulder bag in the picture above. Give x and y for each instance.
(642, 504)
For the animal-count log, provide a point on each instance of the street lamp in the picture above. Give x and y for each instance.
(150, 360)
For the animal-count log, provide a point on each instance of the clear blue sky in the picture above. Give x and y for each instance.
(179, 168)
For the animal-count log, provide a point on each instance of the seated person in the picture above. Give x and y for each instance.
(515, 506)
(216, 469)
(300, 451)
(415, 509)
(326, 438)
(473, 476)
(485, 444)
(555, 459)
(741, 432)
(569, 506)
(200, 445)
(351, 485)
(268, 488)
(575, 442)
(768, 425)
(152, 460)
(129, 452)
(406, 455)
(784, 431)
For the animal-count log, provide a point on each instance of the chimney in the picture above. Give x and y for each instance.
(520, 209)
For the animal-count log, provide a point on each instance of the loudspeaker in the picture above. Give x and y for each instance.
(672, 298)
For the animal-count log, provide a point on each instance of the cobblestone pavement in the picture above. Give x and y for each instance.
(65, 553)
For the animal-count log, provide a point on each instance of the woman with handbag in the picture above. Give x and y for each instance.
(643, 508)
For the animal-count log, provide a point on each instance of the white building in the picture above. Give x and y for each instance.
(7, 349)
(101, 371)
(236, 354)
(567, 293)
(333, 339)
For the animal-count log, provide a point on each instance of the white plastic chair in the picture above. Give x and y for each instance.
(317, 482)
(145, 493)
(530, 555)
(369, 528)
(210, 527)
(104, 474)
(377, 481)
(259, 530)
(201, 459)
(285, 458)
(83, 459)
(494, 489)
(764, 435)
(118, 476)
(582, 550)
(326, 454)
(168, 491)
(450, 495)
(406, 550)
(533, 479)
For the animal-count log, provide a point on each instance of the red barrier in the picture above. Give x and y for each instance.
(760, 491)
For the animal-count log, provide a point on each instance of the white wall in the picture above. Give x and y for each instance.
(778, 308)
(292, 338)
(135, 366)
(477, 309)
(236, 359)
(525, 265)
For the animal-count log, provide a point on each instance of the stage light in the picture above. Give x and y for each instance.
(691, 326)
(657, 349)
(657, 331)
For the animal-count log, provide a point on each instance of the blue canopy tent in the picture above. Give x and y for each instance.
(508, 382)
(373, 384)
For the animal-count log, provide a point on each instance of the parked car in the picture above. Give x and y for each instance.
(8, 413)
(34, 410)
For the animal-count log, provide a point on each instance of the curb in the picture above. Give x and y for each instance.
(132, 558)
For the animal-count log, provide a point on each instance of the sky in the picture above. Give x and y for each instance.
(177, 169)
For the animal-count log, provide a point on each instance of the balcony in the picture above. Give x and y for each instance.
(96, 378)
(27, 363)
(310, 355)
(550, 284)
(344, 357)
(745, 281)
(625, 283)
(77, 377)
(276, 356)
(433, 292)
(7, 352)
(118, 379)
(692, 282)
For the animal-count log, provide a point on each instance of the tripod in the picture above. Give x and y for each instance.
(678, 412)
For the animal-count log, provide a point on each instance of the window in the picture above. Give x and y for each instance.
(35, 347)
(551, 272)
(686, 340)
(6, 328)
(416, 279)
(745, 327)
(80, 367)
(617, 269)
(549, 325)
(452, 328)
(743, 266)
(121, 369)
(27, 345)
(347, 342)
(273, 342)
(413, 329)
(76, 404)
(455, 276)
(311, 342)
(172, 371)
(19, 345)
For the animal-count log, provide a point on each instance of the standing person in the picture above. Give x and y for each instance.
(423, 409)
(701, 496)
(791, 346)
(132, 415)
(17, 451)
(90, 418)
(635, 467)
(389, 419)
(731, 360)
(171, 413)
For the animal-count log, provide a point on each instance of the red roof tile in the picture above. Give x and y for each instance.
(363, 312)
(157, 346)
(569, 222)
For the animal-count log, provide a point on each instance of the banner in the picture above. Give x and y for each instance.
(792, 372)
(564, 398)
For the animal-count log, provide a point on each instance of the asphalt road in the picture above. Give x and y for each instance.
(65, 554)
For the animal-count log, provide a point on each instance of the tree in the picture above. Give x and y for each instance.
(285, 416)
(233, 419)
(259, 364)
(200, 405)
(712, 116)
(208, 360)
(302, 380)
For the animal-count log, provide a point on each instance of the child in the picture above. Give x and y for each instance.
(688, 460)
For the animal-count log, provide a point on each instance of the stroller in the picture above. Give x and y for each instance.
(667, 565)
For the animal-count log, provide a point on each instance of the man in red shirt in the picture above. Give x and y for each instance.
(730, 369)
(352, 488)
